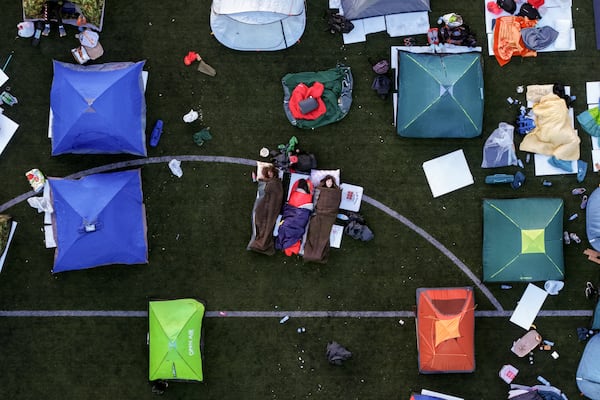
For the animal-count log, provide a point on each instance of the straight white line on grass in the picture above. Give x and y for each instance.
(274, 314)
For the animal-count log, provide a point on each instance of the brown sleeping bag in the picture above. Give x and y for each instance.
(316, 247)
(266, 210)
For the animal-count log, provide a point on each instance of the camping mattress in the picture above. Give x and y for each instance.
(337, 94)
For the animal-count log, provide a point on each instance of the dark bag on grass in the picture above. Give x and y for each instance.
(339, 24)
(336, 353)
(357, 228)
(510, 6)
(529, 11)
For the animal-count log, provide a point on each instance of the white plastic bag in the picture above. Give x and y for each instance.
(191, 116)
(499, 148)
(41, 204)
(175, 166)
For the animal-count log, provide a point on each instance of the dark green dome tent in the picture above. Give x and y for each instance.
(440, 95)
(522, 240)
(176, 340)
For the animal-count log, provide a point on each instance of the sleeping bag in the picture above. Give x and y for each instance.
(327, 205)
(294, 219)
(266, 210)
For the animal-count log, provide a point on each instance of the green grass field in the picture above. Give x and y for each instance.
(199, 225)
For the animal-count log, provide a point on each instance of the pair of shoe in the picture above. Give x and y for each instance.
(575, 238)
(578, 191)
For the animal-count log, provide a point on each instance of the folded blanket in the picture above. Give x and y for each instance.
(316, 247)
(266, 210)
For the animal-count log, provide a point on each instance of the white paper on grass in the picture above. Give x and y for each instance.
(448, 173)
(543, 166)
(335, 237)
(3, 77)
(49, 237)
(529, 306)
(7, 129)
(439, 395)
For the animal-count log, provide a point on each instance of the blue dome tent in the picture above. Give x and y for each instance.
(98, 220)
(98, 109)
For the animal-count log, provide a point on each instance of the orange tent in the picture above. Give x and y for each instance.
(446, 330)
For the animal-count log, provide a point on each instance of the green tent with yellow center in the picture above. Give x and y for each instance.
(523, 240)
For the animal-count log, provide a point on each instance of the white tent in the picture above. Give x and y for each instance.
(251, 25)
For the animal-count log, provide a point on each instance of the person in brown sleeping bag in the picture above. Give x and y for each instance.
(266, 210)
(329, 196)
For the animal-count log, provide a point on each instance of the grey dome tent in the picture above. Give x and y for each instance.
(588, 371)
(358, 9)
(592, 219)
(251, 25)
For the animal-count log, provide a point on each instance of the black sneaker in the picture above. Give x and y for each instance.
(37, 34)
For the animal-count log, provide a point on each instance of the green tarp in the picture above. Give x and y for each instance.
(175, 340)
(523, 240)
(439, 95)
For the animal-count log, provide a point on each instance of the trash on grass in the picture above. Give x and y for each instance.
(175, 166)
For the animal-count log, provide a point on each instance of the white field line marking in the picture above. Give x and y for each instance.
(274, 314)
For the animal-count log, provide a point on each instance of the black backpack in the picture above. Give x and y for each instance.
(510, 6)
(339, 24)
(529, 11)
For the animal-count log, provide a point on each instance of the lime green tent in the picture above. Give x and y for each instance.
(522, 240)
(175, 340)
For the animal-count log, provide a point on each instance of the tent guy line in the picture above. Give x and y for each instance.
(273, 314)
(244, 161)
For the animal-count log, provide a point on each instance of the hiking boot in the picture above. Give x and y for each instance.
(584, 201)
(61, 31)
(575, 238)
(578, 191)
(566, 237)
(46, 30)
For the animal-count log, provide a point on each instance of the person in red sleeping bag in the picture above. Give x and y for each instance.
(295, 216)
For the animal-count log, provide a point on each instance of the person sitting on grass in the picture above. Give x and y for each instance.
(52, 9)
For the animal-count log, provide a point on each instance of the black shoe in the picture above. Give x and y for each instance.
(37, 35)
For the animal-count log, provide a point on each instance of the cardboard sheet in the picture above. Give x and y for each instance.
(529, 306)
(448, 173)
(8, 127)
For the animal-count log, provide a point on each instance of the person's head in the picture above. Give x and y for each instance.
(270, 172)
(328, 181)
(303, 185)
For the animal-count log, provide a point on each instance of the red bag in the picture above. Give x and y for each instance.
(536, 3)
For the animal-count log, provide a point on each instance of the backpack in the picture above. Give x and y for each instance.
(381, 67)
(529, 11)
(510, 6)
(339, 24)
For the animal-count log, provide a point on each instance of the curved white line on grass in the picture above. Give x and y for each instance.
(244, 161)
(276, 314)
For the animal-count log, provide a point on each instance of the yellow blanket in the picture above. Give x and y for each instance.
(553, 134)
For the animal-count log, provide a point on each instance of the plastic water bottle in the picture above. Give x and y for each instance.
(547, 183)
(573, 217)
(505, 287)
(549, 343)
(284, 319)
(543, 380)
